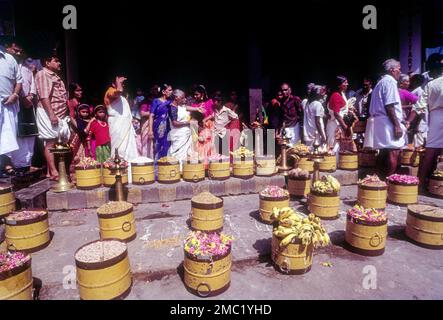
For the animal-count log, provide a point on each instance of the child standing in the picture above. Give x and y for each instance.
(99, 128)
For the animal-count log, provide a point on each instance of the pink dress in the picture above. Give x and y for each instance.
(205, 148)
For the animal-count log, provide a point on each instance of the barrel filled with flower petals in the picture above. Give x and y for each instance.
(424, 226)
(372, 192)
(272, 197)
(88, 173)
(207, 213)
(207, 263)
(402, 189)
(15, 276)
(366, 231)
(7, 200)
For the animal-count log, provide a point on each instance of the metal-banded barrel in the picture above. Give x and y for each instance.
(348, 161)
(402, 194)
(424, 226)
(372, 197)
(298, 187)
(143, 173)
(193, 172)
(267, 205)
(118, 225)
(30, 235)
(219, 170)
(367, 159)
(324, 206)
(305, 164)
(207, 217)
(88, 178)
(109, 177)
(243, 168)
(7, 200)
(410, 158)
(295, 258)
(104, 280)
(16, 284)
(168, 172)
(265, 166)
(329, 164)
(366, 237)
(435, 186)
(207, 277)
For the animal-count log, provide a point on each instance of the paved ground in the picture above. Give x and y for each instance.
(405, 271)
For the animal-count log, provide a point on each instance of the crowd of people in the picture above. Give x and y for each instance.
(400, 111)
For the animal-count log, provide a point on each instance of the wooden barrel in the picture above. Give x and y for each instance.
(193, 172)
(294, 258)
(16, 284)
(305, 164)
(435, 186)
(367, 159)
(372, 197)
(265, 166)
(220, 170)
(243, 168)
(88, 178)
(324, 206)
(329, 164)
(143, 173)
(409, 158)
(106, 280)
(267, 204)
(299, 187)
(168, 172)
(207, 277)
(424, 226)
(118, 225)
(207, 217)
(366, 238)
(402, 194)
(7, 200)
(359, 126)
(30, 235)
(348, 161)
(109, 178)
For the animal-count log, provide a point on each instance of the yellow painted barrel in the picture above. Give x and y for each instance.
(305, 164)
(29, 235)
(348, 161)
(372, 197)
(410, 158)
(324, 206)
(207, 277)
(294, 258)
(435, 186)
(109, 178)
(424, 226)
(143, 173)
(265, 166)
(88, 178)
(219, 170)
(207, 217)
(267, 204)
(329, 164)
(299, 187)
(243, 168)
(16, 284)
(193, 172)
(402, 194)
(117, 225)
(367, 158)
(366, 238)
(7, 200)
(168, 172)
(105, 280)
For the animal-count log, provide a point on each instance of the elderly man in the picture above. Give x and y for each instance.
(385, 130)
(10, 88)
(292, 114)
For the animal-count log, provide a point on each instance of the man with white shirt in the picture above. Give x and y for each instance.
(10, 89)
(385, 130)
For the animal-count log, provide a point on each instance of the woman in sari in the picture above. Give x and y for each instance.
(145, 145)
(159, 126)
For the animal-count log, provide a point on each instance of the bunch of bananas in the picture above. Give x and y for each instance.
(291, 225)
(327, 184)
(301, 149)
(242, 152)
(438, 173)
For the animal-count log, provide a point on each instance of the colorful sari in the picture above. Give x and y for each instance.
(161, 127)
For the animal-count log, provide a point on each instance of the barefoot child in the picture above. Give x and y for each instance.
(98, 127)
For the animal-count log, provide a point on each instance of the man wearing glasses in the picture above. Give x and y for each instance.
(292, 114)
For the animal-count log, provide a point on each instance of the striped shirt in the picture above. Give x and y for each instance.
(50, 86)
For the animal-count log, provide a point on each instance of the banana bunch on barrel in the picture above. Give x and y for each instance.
(294, 153)
(292, 226)
(242, 152)
(327, 184)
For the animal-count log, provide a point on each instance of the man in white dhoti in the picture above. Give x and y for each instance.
(10, 88)
(385, 130)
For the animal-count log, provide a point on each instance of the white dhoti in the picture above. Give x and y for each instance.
(382, 132)
(49, 132)
(293, 134)
(435, 133)
(22, 157)
(8, 128)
